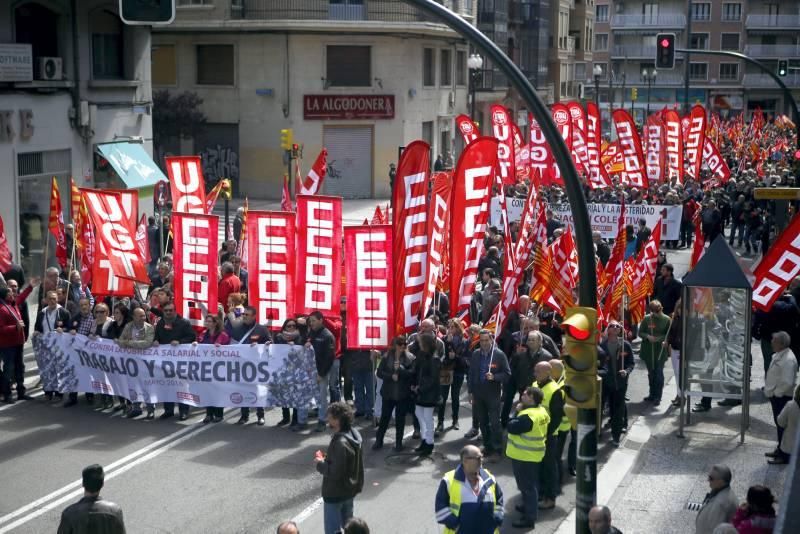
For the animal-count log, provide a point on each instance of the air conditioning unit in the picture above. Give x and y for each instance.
(49, 68)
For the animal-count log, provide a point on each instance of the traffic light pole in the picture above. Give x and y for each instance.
(586, 493)
(786, 92)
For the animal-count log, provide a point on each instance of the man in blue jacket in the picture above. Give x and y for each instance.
(488, 372)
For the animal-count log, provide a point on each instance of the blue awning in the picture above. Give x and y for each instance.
(134, 166)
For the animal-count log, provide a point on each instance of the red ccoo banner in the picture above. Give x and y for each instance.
(187, 184)
(368, 271)
(778, 268)
(195, 256)
(271, 280)
(631, 147)
(318, 274)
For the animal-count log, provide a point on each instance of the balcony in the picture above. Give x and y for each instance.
(316, 10)
(765, 81)
(772, 22)
(631, 51)
(662, 21)
(773, 51)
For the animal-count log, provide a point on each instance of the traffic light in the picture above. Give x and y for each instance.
(286, 139)
(783, 67)
(580, 357)
(147, 12)
(225, 191)
(665, 51)
(634, 93)
(295, 151)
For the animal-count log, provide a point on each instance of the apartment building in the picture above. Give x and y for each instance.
(361, 78)
(624, 51)
(73, 79)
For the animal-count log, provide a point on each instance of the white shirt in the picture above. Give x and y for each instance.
(781, 374)
(49, 320)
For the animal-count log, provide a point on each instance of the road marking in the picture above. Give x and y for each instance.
(75, 489)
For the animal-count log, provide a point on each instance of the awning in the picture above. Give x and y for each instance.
(134, 166)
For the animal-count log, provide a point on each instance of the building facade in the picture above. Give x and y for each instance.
(625, 49)
(361, 78)
(72, 77)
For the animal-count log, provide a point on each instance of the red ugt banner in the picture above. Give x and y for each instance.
(368, 272)
(271, 282)
(195, 256)
(187, 184)
(778, 268)
(502, 131)
(319, 255)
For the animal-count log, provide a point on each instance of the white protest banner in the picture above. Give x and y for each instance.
(198, 375)
(603, 217)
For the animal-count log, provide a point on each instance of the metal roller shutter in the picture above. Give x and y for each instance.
(349, 161)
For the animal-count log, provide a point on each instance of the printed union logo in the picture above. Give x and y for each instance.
(575, 112)
(466, 127)
(499, 117)
(561, 116)
(250, 397)
(236, 398)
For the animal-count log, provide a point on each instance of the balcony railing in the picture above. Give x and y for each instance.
(772, 22)
(764, 80)
(659, 21)
(634, 51)
(773, 51)
(344, 10)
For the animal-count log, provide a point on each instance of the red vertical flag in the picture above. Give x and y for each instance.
(187, 184)
(631, 146)
(56, 224)
(655, 148)
(563, 122)
(467, 128)
(141, 239)
(312, 185)
(598, 177)
(503, 132)
(695, 140)
(580, 152)
(778, 267)
(438, 220)
(541, 156)
(674, 146)
(195, 256)
(271, 278)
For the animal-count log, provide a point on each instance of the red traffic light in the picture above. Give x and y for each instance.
(665, 42)
(578, 326)
(578, 333)
(295, 146)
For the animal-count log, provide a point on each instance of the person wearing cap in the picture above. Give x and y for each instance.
(615, 367)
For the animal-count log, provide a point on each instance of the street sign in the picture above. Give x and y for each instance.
(777, 193)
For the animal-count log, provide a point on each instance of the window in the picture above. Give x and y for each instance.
(445, 68)
(106, 30)
(600, 42)
(730, 41)
(215, 65)
(729, 71)
(164, 68)
(428, 67)
(698, 71)
(731, 12)
(36, 25)
(699, 41)
(601, 13)
(701, 11)
(461, 67)
(348, 66)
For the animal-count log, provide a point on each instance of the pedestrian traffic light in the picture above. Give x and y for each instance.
(634, 93)
(665, 51)
(286, 139)
(580, 357)
(783, 67)
(147, 12)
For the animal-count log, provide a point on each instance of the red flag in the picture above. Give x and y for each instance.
(377, 217)
(212, 196)
(674, 146)
(469, 212)
(598, 177)
(631, 147)
(656, 155)
(187, 184)
(698, 247)
(502, 131)
(716, 163)
(56, 224)
(579, 149)
(271, 280)
(318, 275)
(646, 265)
(467, 128)
(75, 205)
(312, 185)
(116, 231)
(141, 239)
(88, 248)
(614, 267)
(195, 256)
(695, 140)
(778, 268)
(369, 273)
(522, 155)
(540, 155)
(5, 253)
(542, 275)
(410, 235)
(104, 281)
(563, 122)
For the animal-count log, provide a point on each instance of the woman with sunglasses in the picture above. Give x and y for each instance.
(214, 334)
(397, 372)
(290, 335)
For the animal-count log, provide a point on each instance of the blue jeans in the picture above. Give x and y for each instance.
(363, 390)
(329, 382)
(336, 514)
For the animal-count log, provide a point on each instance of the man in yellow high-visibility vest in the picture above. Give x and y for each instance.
(564, 428)
(553, 402)
(527, 435)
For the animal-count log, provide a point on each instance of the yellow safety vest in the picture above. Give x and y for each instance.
(565, 425)
(454, 490)
(529, 446)
(550, 389)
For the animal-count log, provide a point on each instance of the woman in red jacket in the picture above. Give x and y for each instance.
(12, 338)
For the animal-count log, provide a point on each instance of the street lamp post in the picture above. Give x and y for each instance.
(474, 64)
(597, 71)
(649, 76)
(622, 96)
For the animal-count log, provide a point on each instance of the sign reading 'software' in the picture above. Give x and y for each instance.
(348, 107)
(16, 63)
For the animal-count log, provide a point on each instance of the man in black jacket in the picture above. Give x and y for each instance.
(173, 329)
(324, 345)
(91, 513)
(488, 371)
(616, 366)
(667, 290)
(252, 333)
